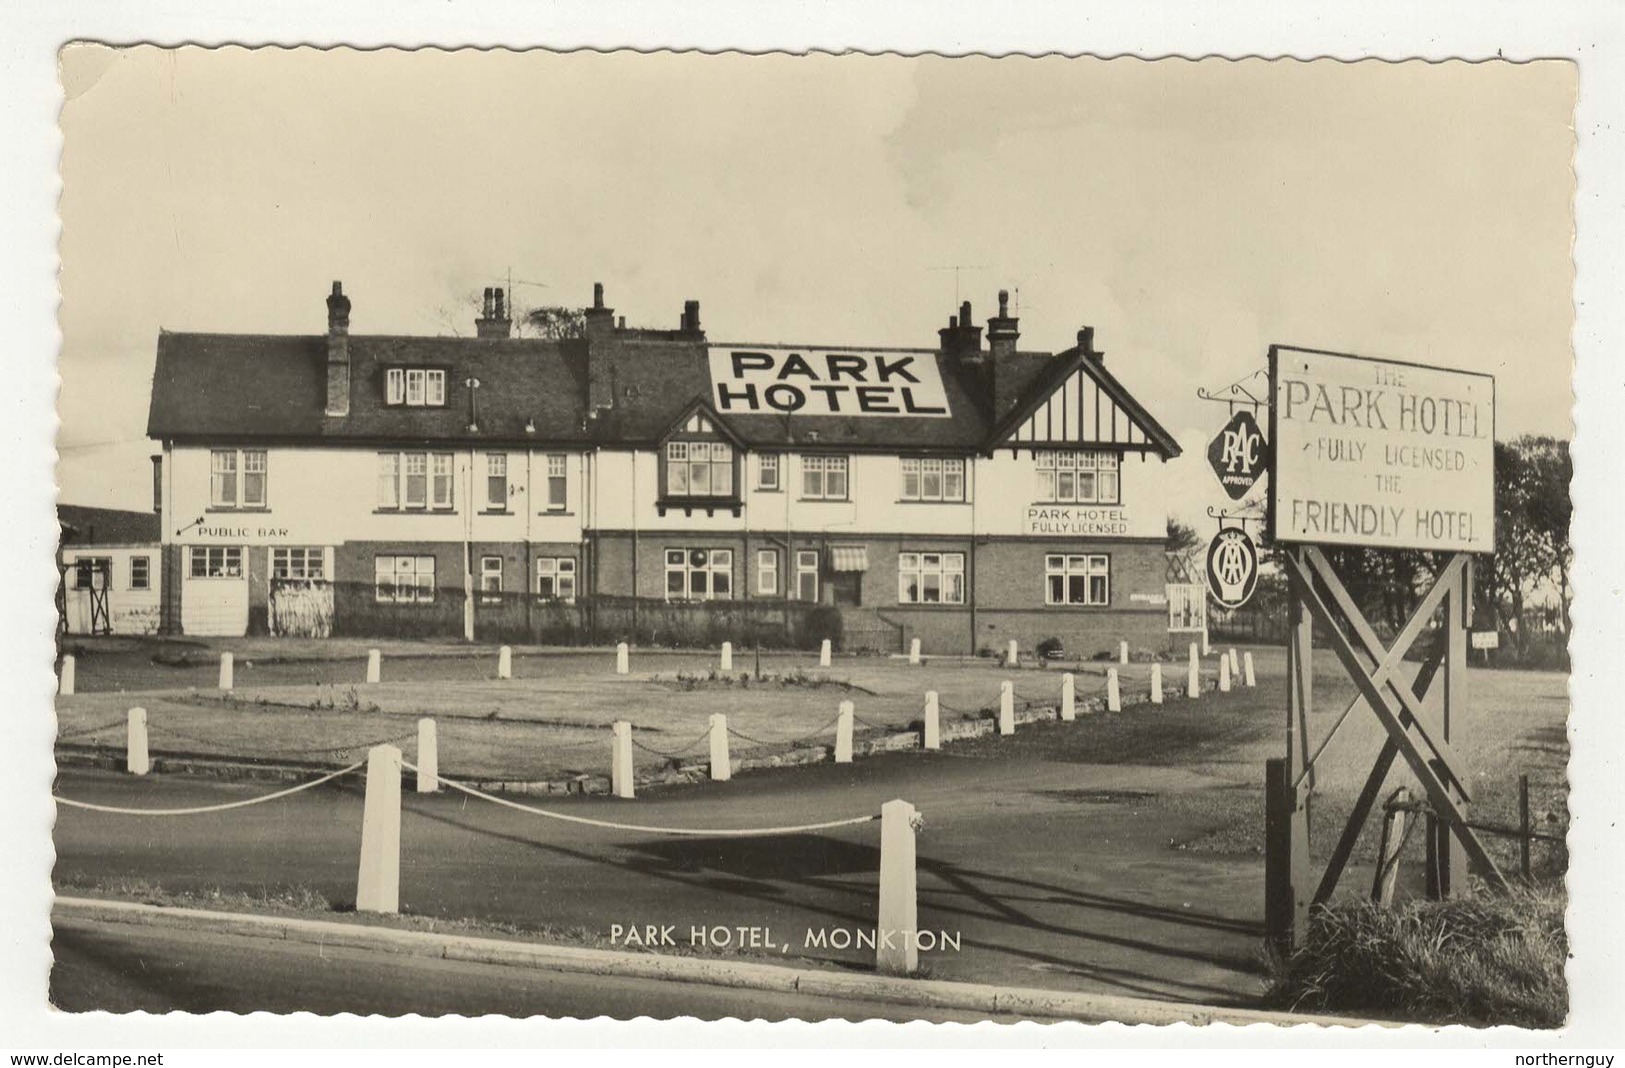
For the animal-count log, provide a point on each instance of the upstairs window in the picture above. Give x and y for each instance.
(767, 472)
(1079, 478)
(415, 386)
(699, 469)
(496, 481)
(557, 483)
(237, 478)
(824, 478)
(414, 481)
(933, 479)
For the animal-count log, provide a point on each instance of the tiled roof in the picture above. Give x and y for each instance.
(228, 387)
(86, 525)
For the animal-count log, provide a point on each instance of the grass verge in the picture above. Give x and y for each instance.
(1491, 959)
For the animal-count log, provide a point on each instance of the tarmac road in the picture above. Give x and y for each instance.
(1051, 875)
(125, 968)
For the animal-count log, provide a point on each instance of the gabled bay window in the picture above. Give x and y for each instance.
(699, 469)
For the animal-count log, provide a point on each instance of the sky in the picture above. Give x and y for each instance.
(1193, 213)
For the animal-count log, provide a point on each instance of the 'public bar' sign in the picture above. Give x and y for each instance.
(789, 381)
(1381, 454)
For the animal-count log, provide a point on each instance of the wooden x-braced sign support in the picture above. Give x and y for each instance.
(1412, 733)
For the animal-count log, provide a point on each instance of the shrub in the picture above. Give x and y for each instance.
(1493, 959)
(1049, 648)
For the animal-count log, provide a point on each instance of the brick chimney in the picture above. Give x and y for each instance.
(494, 321)
(338, 352)
(1001, 329)
(598, 320)
(598, 323)
(961, 340)
(691, 317)
(1086, 342)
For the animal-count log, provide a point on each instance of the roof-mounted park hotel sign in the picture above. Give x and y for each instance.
(782, 380)
(1381, 454)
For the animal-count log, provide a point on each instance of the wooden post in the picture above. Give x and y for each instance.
(1224, 674)
(137, 761)
(1235, 662)
(1389, 848)
(1249, 679)
(505, 663)
(1193, 676)
(1007, 707)
(428, 757)
(620, 760)
(931, 731)
(1447, 859)
(378, 881)
(727, 660)
(824, 653)
(623, 659)
(1069, 698)
(375, 665)
(1286, 861)
(721, 765)
(897, 951)
(1114, 696)
(1525, 843)
(65, 684)
(1122, 652)
(1013, 655)
(226, 671)
(843, 734)
(1156, 684)
(914, 650)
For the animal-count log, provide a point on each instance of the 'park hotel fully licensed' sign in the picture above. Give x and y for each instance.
(769, 380)
(1381, 454)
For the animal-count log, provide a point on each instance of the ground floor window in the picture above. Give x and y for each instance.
(215, 561)
(140, 573)
(807, 575)
(930, 578)
(767, 572)
(556, 578)
(1084, 580)
(490, 578)
(92, 572)
(404, 579)
(298, 563)
(699, 574)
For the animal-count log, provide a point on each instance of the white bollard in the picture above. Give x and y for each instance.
(375, 665)
(1206, 648)
(505, 663)
(1224, 674)
(1069, 698)
(899, 904)
(721, 767)
(1247, 670)
(1122, 652)
(226, 671)
(137, 761)
(823, 653)
(932, 733)
(65, 684)
(727, 662)
(1013, 656)
(843, 734)
(1007, 707)
(1156, 684)
(623, 659)
(378, 883)
(620, 760)
(914, 651)
(1235, 663)
(1114, 696)
(1193, 684)
(428, 757)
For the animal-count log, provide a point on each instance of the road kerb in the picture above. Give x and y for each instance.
(925, 993)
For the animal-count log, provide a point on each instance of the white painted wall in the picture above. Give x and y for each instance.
(130, 611)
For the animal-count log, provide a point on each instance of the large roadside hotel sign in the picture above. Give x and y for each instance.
(785, 380)
(1380, 454)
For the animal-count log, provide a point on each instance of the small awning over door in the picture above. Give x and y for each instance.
(848, 558)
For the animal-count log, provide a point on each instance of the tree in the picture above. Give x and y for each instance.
(1183, 546)
(556, 323)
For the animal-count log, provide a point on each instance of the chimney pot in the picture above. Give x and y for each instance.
(598, 294)
(338, 352)
(485, 307)
(1004, 304)
(622, 323)
(964, 314)
(501, 305)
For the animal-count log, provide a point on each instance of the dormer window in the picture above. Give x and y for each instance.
(698, 469)
(415, 387)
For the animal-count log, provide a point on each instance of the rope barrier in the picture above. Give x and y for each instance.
(789, 741)
(748, 832)
(209, 808)
(85, 732)
(168, 733)
(881, 726)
